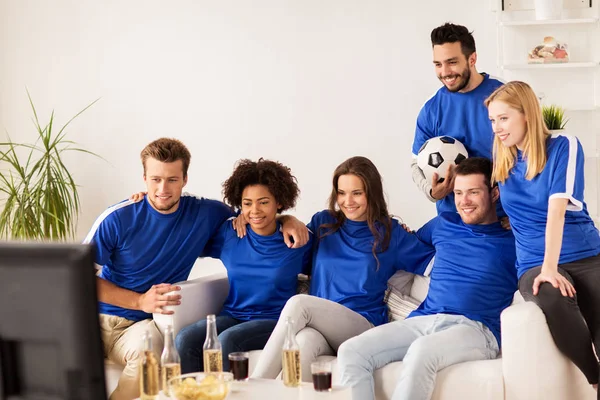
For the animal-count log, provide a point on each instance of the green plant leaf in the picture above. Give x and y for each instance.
(39, 195)
(554, 117)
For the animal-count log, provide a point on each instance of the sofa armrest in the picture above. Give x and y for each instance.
(199, 297)
(533, 366)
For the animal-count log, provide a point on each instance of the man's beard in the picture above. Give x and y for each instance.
(477, 217)
(168, 207)
(465, 77)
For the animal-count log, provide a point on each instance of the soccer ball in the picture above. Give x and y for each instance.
(437, 153)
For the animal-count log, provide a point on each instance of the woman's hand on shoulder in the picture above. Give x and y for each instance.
(136, 197)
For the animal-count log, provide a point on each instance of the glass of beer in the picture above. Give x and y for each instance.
(238, 365)
(321, 375)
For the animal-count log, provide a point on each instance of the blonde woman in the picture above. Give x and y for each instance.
(541, 185)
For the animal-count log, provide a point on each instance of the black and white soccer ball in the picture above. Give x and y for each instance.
(438, 153)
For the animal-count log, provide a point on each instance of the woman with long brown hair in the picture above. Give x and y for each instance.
(358, 247)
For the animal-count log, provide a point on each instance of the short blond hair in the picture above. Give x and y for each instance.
(167, 150)
(521, 97)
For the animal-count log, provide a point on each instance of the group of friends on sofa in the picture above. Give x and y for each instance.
(539, 239)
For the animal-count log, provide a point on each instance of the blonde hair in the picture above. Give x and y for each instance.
(521, 97)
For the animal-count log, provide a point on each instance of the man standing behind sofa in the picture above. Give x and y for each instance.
(145, 247)
(456, 110)
(473, 279)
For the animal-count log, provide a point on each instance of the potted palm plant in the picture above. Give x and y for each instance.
(38, 194)
(554, 117)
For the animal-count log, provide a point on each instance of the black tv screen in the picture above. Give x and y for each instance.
(50, 346)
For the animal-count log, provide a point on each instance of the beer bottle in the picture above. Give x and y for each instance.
(292, 374)
(170, 363)
(149, 378)
(213, 356)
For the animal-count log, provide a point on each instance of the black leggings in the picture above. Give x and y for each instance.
(564, 314)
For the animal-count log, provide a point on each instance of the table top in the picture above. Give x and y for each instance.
(260, 389)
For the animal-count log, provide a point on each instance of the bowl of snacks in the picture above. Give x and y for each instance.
(200, 386)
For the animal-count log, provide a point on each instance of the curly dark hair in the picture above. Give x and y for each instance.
(275, 176)
(452, 33)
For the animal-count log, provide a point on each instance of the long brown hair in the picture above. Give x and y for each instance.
(377, 213)
(521, 97)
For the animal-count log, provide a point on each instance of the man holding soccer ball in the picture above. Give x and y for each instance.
(456, 110)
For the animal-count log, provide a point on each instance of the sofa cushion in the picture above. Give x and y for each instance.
(399, 305)
(468, 380)
(112, 373)
(405, 293)
(303, 286)
(419, 288)
(401, 282)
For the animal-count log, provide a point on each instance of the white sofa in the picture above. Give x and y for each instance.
(531, 367)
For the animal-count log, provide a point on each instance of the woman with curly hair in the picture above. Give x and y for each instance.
(358, 247)
(262, 270)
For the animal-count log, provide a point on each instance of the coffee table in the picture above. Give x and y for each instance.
(261, 389)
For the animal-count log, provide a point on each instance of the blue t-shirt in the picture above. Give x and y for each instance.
(345, 271)
(526, 203)
(138, 247)
(473, 271)
(262, 271)
(462, 116)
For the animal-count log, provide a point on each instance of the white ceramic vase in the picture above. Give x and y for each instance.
(548, 9)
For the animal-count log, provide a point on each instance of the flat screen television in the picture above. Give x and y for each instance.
(50, 343)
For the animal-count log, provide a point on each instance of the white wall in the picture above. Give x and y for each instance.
(306, 82)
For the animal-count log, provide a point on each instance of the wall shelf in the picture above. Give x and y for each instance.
(525, 5)
(574, 85)
(590, 64)
(551, 22)
(578, 109)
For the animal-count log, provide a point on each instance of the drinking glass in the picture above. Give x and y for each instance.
(238, 365)
(321, 375)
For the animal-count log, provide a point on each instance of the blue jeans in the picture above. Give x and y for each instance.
(234, 335)
(425, 344)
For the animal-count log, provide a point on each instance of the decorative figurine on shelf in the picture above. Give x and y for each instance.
(549, 52)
